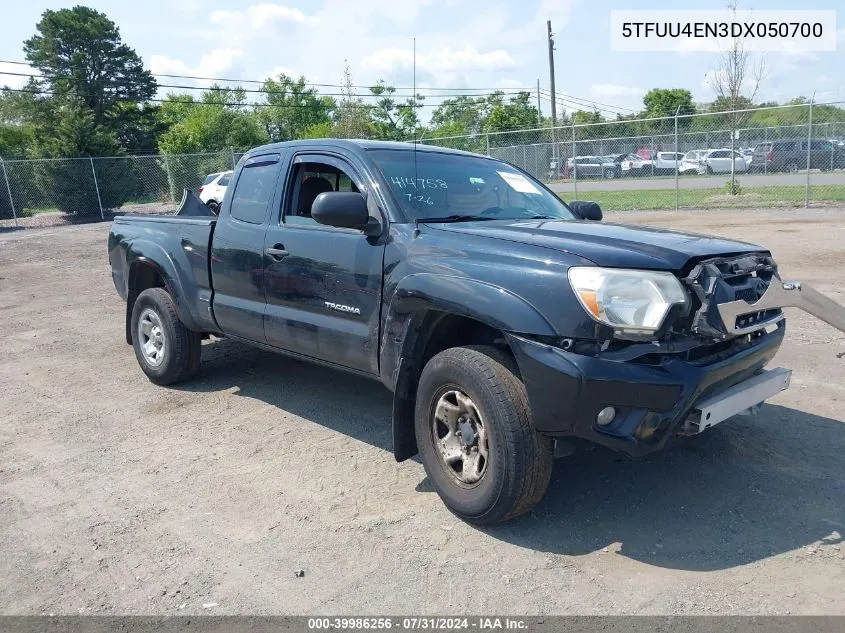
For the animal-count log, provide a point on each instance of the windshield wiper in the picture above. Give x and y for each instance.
(456, 218)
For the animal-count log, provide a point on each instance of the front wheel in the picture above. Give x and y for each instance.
(166, 350)
(474, 433)
(610, 174)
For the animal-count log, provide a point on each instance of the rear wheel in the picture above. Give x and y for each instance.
(166, 350)
(475, 437)
(791, 167)
(213, 206)
(610, 174)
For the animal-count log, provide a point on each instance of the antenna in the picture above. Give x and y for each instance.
(414, 110)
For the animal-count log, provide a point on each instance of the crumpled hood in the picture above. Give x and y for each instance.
(612, 245)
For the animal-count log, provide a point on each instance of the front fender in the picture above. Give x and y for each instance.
(416, 296)
(479, 300)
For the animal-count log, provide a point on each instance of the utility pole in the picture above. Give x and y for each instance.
(552, 71)
(552, 85)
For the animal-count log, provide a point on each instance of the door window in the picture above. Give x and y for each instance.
(310, 179)
(254, 189)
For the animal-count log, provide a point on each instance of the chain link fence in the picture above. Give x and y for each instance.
(782, 156)
(95, 187)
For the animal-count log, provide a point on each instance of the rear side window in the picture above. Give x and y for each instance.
(784, 146)
(224, 180)
(255, 188)
(209, 179)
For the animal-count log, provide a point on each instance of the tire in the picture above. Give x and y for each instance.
(154, 319)
(610, 174)
(791, 167)
(515, 472)
(213, 206)
(709, 170)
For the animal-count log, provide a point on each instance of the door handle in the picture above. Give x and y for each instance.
(276, 252)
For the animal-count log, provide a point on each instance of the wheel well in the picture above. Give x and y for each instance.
(450, 330)
(142, 275)
(437, 331)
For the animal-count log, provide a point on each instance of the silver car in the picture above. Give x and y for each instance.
(718, 161)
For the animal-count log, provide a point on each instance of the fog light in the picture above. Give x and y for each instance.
(606, 416)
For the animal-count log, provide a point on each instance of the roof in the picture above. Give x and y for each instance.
(363, 144)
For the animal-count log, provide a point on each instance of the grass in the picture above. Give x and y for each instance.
(716, 198)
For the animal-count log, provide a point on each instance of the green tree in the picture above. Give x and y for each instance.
(220, 120)
(458, 116)
(664, 102)
(290, 108)
(392, 120)
(351, 118)
(81, 57)
(519, 113)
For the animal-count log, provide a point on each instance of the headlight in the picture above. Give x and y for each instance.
(637, 300)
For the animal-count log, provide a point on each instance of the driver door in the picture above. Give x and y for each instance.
(322, 284)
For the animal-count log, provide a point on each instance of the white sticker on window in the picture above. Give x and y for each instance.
(518, 182)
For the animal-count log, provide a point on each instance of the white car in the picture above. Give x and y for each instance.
(213, 189)
(665, 162)
(718, 161)
(633, 165)
(693, 162)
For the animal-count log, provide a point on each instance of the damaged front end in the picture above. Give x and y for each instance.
(707, 363)
(740, 295)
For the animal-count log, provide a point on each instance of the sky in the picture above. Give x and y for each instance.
(460, 44)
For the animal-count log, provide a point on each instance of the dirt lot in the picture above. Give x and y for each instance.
(120, 497)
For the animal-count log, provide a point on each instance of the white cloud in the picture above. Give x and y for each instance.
(444, 59)
(615, 91)
(211, 64)
(274, 73)
(258, 16)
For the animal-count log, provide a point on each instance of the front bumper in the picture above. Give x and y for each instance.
(653, 399)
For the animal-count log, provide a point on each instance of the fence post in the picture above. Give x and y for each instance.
(677, 194)
(234, 162)
(487, 136)
(170, 184)
(809, 143)
(653, 151)
(97, 188)
(574, 166)
(765, 160)
(9, 190)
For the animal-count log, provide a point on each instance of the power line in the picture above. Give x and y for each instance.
(583, 101)
(279, 92)
(261, 81)
(234, 103)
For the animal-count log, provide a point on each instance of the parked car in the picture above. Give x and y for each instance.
(633, 165)
(503, 320)
(596, 167)
(791, 155)
(213, 189)
(666, 162)
(718, 161)
(693, 162)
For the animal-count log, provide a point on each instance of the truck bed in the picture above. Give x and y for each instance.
(178, 248)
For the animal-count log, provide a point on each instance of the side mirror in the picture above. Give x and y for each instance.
(586, 210)
(345, 209)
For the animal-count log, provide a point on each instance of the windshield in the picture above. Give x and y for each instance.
(434, 185)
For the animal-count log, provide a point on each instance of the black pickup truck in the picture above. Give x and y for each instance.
(504, 321)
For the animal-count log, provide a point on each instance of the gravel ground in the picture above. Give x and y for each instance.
(120, 497)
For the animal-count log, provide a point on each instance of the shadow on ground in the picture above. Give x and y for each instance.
(749, 489)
